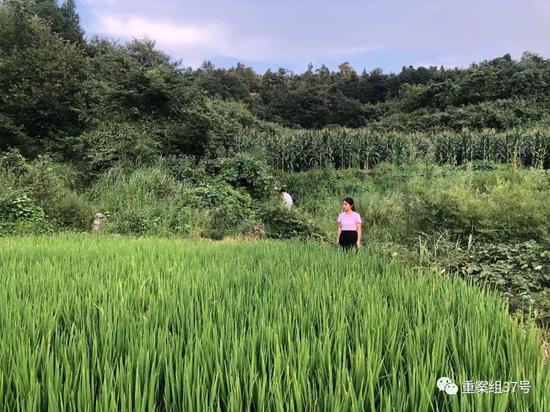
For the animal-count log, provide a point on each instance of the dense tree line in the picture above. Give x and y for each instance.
(98, 100)
(321, 97)
(101, 102)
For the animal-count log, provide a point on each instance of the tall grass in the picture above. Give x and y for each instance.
(92, 323)
(400, 202)
(143, 202)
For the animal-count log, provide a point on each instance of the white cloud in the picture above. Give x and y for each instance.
(351, 50)
(191, 42)
(166, 34)
(454, 33)
(195, 43)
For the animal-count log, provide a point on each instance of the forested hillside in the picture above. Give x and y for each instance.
(104, 101)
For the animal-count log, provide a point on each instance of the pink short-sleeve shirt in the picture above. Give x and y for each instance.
(349, 221)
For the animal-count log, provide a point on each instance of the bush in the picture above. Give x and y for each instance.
(153, 220)
(497, 205)
(521, 272)
(224, 221)
(119, 190)
(72, 212)
(320, 184)
(118, 143)
(136, 222)
(480, 166)
(152, 202)
(147, 201)
(214, 195)
(181, 220)
(243, 171)
(183, 168)
(47, 183)
(282, 223)
(13, 162)
(20, 215)
(228, 208)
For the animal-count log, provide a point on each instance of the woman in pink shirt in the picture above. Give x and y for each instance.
(349, 226)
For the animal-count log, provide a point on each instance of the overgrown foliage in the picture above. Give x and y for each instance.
(521, 272)
(49, 186)
(19, 215)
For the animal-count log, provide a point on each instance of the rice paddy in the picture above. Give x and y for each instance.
(96, 323)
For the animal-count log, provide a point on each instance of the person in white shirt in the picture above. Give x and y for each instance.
(286, 198)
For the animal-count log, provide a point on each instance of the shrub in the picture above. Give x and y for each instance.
(20, 215)
(183, 168)
(323, 183)
(223, 222)
(282, 223)
(72, 211)
(494, 206)
(113, 143)
(243, 171)
(228, 208)
(13, 162)
(213, 195)
(135, 222)
(47, 182)
(521, 272)
(146, 201)
(119, 190)
(182, 222)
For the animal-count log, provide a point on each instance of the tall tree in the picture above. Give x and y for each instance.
(40, 80)
(71, 30)
(62, 19)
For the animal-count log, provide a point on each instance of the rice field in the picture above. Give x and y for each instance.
(113, 324)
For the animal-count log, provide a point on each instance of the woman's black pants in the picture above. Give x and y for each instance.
(348, 239)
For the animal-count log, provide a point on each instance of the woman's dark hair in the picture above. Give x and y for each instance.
(349, 201)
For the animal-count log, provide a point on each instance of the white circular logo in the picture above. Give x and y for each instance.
(445, 384)
(451, 389)
(442, 382)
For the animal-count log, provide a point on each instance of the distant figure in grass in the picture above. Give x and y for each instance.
(349, 226)
(97, 221)
(286, 198)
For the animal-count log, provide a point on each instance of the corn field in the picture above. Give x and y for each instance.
(112, 324)
(299, 150)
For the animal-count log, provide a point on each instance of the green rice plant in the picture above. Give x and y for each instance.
(108, 324)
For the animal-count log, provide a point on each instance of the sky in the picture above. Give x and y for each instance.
(369, 34)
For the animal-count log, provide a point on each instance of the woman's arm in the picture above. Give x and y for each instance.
(358, 235)
(339, 231)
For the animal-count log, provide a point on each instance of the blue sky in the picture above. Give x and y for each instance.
(291, 34)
